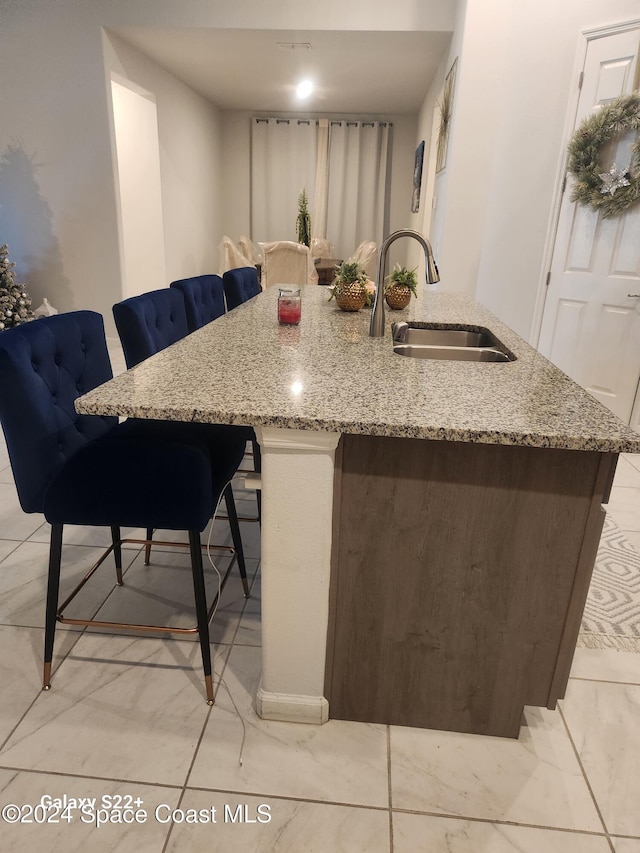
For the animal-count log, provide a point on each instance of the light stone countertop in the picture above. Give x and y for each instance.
(328, 374)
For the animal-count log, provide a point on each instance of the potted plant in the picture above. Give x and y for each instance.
(348, 286)
(303, 222)
(400, 284)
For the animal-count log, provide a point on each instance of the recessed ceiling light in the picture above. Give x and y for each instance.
(304, 89)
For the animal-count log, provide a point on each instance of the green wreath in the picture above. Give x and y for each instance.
(616, 189)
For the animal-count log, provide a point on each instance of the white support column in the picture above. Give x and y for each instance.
(297, 507)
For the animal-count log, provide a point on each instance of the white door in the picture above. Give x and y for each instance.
(591, 321)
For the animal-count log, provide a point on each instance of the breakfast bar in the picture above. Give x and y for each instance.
(429, 526)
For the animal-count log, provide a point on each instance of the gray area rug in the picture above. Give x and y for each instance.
(611, 617)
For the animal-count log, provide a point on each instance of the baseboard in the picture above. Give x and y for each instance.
(292, 708)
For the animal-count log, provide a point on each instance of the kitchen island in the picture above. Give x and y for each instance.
(429, 527)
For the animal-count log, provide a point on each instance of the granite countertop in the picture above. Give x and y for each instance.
(328, 374)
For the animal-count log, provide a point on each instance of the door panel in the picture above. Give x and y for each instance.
(613, 78)
(591, 322)
(582, 241)
(569, 321)
(626, 257)
(614, 328)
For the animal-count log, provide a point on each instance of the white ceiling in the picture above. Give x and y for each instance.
(354, 72)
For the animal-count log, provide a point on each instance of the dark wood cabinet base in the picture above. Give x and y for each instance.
(459, 577)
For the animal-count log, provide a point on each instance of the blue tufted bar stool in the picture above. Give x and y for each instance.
(153, 321)
(203, 299)
(150, 322)
(146, 325)
(91, 470)
(240, 285)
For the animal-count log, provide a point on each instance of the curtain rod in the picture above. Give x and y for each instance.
(336, 121)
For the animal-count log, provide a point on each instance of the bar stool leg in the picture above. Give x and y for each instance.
(147, 547)
(117, 553)
(53, 587)
(201, 610)
(237, 539)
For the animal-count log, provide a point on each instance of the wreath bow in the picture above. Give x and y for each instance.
(611, 190)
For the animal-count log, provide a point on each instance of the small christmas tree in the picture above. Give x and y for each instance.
(15, 304)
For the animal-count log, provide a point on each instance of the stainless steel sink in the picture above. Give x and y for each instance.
(456, 343)
(450, 353)
(445, 337)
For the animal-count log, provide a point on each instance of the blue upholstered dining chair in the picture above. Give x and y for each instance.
(240, 285)
(203, 299)
(148, 324)
(91, 470)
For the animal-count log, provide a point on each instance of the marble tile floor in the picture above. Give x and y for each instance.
(126, 718)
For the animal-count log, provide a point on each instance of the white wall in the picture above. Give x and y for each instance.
(461, 189)
(139, 188)
(425, 220)
(190, 143)
(405, 131)
(236, 179)
(56, 173)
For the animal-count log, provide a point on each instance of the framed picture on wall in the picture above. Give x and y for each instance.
(417, 178)
(446, 108)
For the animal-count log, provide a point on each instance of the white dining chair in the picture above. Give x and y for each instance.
(231, 257)
(286, 262)
(321, 248)
(251, 250)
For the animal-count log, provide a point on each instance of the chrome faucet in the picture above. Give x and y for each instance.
(376, 329)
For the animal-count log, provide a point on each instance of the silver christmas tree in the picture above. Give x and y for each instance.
(15, 304)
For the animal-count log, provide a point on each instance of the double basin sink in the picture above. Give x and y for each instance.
(450, 342)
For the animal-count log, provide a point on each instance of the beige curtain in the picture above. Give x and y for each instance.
(342, 165)
(321, 186)
(357, 197)
(283, 163)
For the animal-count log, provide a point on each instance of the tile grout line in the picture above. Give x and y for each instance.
(60, 660)
(501, 822)
(13, 550)
(390, 789)
(514, 823)
(593, 680)
(10, 734)
(208, 715)
(188, 773)
(585, 777)
(289, 798)
(87, 776)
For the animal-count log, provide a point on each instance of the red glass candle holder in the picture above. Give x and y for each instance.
(289, 306)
